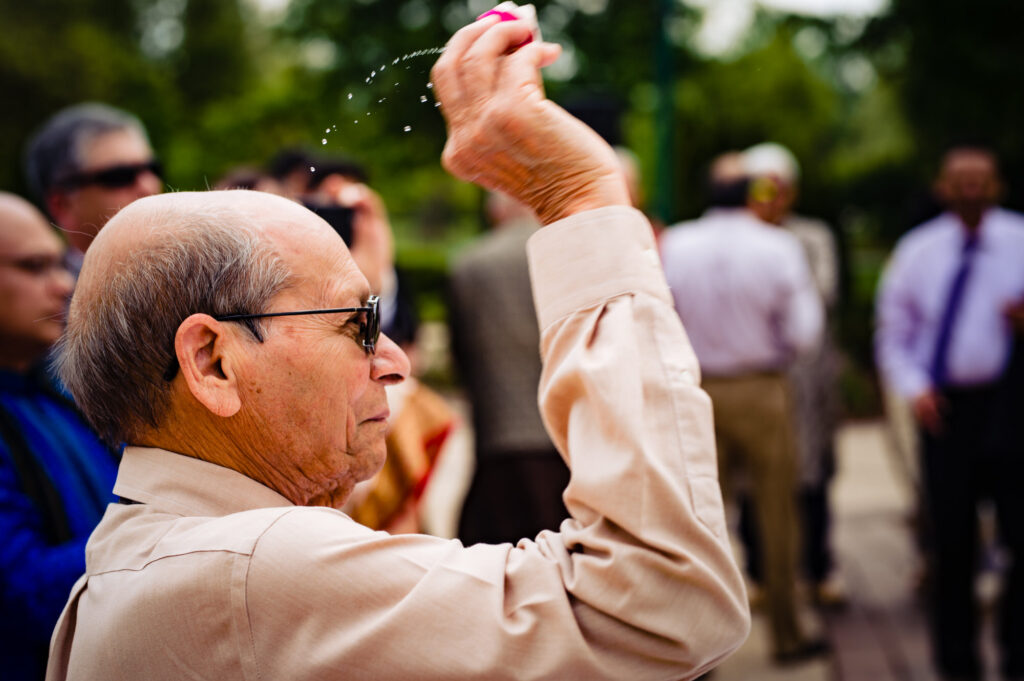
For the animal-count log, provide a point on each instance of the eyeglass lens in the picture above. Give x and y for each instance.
(117, 176)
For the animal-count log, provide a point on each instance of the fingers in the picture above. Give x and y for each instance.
(443, 73)
(480, 65)
(523, 67)
(469, 67)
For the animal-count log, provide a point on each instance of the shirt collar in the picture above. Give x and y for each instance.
(184, 485)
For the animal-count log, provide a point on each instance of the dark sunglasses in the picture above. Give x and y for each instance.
(114, 177)
(369, 328)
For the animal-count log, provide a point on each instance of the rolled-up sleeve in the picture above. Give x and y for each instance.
(640, 583)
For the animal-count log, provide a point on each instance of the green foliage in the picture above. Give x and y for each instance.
(957, 68)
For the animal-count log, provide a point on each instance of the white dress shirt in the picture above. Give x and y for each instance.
(743, 290)
(214, 576)
(914, 290)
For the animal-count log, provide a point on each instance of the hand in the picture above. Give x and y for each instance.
(1014, 313)
(372, 241)
(505, 135)
(928, 408)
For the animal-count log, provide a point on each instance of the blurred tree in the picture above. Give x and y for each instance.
(59, 52)
(956, 68)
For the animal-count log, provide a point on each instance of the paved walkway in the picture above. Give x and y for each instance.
(881, 635)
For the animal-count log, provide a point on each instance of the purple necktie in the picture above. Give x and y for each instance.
(940, 370)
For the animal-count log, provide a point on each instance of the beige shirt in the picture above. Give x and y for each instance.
(213, 576)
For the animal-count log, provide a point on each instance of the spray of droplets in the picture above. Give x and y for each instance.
(379, 71)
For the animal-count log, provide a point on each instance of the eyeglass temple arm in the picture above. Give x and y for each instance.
(232, 317)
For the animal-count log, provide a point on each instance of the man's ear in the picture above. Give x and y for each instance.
(205, 352)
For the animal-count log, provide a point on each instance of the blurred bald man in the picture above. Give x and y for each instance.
(55, 474)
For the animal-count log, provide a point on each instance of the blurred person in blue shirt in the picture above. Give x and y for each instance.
(56, 476)
(950, 340)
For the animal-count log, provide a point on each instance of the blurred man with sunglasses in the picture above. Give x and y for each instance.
(55, 474)
(86, 163)
(231, 338)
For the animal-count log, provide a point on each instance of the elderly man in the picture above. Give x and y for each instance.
(55, 474)
(946, 311)
(744, 291)
(86, 163)
(232, 340)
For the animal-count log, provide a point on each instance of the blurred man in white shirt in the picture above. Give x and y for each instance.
(746, 297)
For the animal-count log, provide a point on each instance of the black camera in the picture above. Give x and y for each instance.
(338, 217)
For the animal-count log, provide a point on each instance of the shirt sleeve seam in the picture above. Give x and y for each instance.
(248, 612)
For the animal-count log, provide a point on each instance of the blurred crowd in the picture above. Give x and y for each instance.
(756, 286)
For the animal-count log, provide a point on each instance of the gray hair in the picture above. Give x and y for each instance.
(119, 343)
(55, 152)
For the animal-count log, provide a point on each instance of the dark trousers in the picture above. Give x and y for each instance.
(514, 496)
(962, 466)
(815, 523)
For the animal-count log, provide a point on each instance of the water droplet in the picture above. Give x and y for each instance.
(367, 80)
(312, 169)
(437, 104)
(328, 130)
(430, 86)
(383, 66)
(423, 98)
(407, 128)
(350, 95)
(395, 61)
(323, 141)
(367, 113)
(356, 120)
(381, 100)
(373, 74)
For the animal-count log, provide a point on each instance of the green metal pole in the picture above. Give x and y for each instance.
(664, 182)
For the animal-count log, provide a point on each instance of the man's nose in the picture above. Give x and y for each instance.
(389, 364)
(61, 282)
(147, 183)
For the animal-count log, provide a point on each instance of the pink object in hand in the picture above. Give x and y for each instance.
(505, 16)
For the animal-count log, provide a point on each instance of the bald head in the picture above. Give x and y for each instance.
(158, 261)
(149, 224)
(18, 215)
(34, 285)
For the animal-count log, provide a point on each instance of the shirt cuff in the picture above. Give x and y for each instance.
(585, 259)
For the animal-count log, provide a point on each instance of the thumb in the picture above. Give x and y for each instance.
(537, 55)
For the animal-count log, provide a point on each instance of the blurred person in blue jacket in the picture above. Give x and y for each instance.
(56, 476)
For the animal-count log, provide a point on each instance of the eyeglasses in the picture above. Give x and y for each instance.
(369, 328)
(114, 177)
